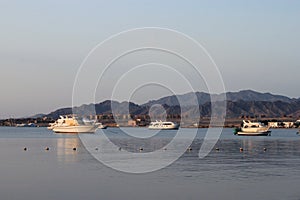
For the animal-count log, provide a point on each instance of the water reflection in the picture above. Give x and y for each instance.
(133, 144)
(278, 147)
(67, 149)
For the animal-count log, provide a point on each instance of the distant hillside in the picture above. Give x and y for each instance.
(247, 102)
(249, 95)
(185, 99)
(258, 108)
(57, 113)
(202, 98)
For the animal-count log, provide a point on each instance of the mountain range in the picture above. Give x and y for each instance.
(242, 103)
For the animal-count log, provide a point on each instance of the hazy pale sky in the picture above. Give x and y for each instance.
(255, 44)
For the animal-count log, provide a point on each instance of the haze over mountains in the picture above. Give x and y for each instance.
(246, 102)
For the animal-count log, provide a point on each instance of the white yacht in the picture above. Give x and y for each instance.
(71, 124)
(253, 129)
(160, 125)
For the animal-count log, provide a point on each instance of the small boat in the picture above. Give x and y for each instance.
(20, 125)
(72, 124)
(101, 126)
(26, 125)
(249, 128)
(160, 125)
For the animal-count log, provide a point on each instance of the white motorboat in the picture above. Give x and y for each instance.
(71, 124)
(26, 125)
(101, 126)
(253, 129)
(160, 125)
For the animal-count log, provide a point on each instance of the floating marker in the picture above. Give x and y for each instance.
(265, 149)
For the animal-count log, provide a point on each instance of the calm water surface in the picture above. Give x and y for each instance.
(227, 174)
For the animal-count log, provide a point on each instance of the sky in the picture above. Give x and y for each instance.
(255, 45)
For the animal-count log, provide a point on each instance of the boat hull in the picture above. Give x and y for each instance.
(175, 127)
(75, 129)
(102, 127)
(255, 130)
(265, 133)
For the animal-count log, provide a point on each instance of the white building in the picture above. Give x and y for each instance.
(273, 124)
(288, 124)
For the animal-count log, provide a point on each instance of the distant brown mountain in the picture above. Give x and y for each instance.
(202, 98)
(266, 108)
(247, 103)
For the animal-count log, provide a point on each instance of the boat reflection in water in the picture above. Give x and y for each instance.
(67, 149)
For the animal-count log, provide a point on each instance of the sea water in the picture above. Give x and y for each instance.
(57, 166)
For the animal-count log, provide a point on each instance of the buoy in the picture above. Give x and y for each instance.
(74, 149)
(47, 148)
(241, 149)
(265, 149)
(217, 149)
(25, 149)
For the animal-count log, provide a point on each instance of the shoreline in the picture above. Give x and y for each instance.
(204, 122)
